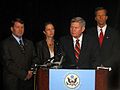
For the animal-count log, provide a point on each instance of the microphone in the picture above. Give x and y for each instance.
(57, 65)
(50, 60)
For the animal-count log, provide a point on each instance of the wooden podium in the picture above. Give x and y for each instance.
(101, 79)
(43, 79)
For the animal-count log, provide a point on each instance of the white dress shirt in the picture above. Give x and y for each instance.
(80, 40)
(103, 30)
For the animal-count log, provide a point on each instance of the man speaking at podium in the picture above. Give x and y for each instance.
(79, 50)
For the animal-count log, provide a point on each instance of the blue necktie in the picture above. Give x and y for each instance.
(21, 46)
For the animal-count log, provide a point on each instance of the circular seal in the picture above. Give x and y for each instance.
(72, 81)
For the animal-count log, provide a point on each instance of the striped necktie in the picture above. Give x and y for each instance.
(77, 50)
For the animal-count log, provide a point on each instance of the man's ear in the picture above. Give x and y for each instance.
(83, 29)
(106, 17)
(11, 28)
(95, 18)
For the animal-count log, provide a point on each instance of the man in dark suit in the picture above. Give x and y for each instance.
(18, 57)
(107, 42)
(82, 57)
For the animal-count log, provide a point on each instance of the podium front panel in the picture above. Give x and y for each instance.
(71, 79)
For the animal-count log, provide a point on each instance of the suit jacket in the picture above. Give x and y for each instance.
(44, 53)
(16, 63)
(88, 54)
(109, 51)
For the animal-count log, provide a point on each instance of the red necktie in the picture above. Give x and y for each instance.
(101, 37)
(77, 50)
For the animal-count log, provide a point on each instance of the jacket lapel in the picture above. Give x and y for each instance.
(71, 50)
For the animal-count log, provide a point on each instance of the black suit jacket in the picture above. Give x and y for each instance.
(15, 63)
(109, 51)
(44, 53)
(88, 54)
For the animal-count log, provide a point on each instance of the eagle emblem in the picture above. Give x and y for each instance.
(72, 81)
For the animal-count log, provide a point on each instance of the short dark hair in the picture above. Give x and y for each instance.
(47, 23)
(16, 20)
(100, 8)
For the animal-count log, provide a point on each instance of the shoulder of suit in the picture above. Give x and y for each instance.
(113, 30)
(7, 40)
(27, 41)
(40, 42)
(91, 28)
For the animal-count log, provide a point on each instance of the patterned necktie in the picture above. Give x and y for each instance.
(77, 50)
(101, 37)
(22, 46)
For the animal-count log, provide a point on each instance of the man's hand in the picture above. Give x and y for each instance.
(29, 75)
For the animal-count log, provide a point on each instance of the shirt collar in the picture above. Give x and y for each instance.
(17, 38)
(103, 29)
(80, 38)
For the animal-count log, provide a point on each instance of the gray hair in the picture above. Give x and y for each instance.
(78, 19)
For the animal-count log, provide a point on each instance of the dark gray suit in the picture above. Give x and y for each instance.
(109, 52)
(88, 53)
(16, 64)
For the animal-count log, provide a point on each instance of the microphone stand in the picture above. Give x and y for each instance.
(34, 69)
(34, 81)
